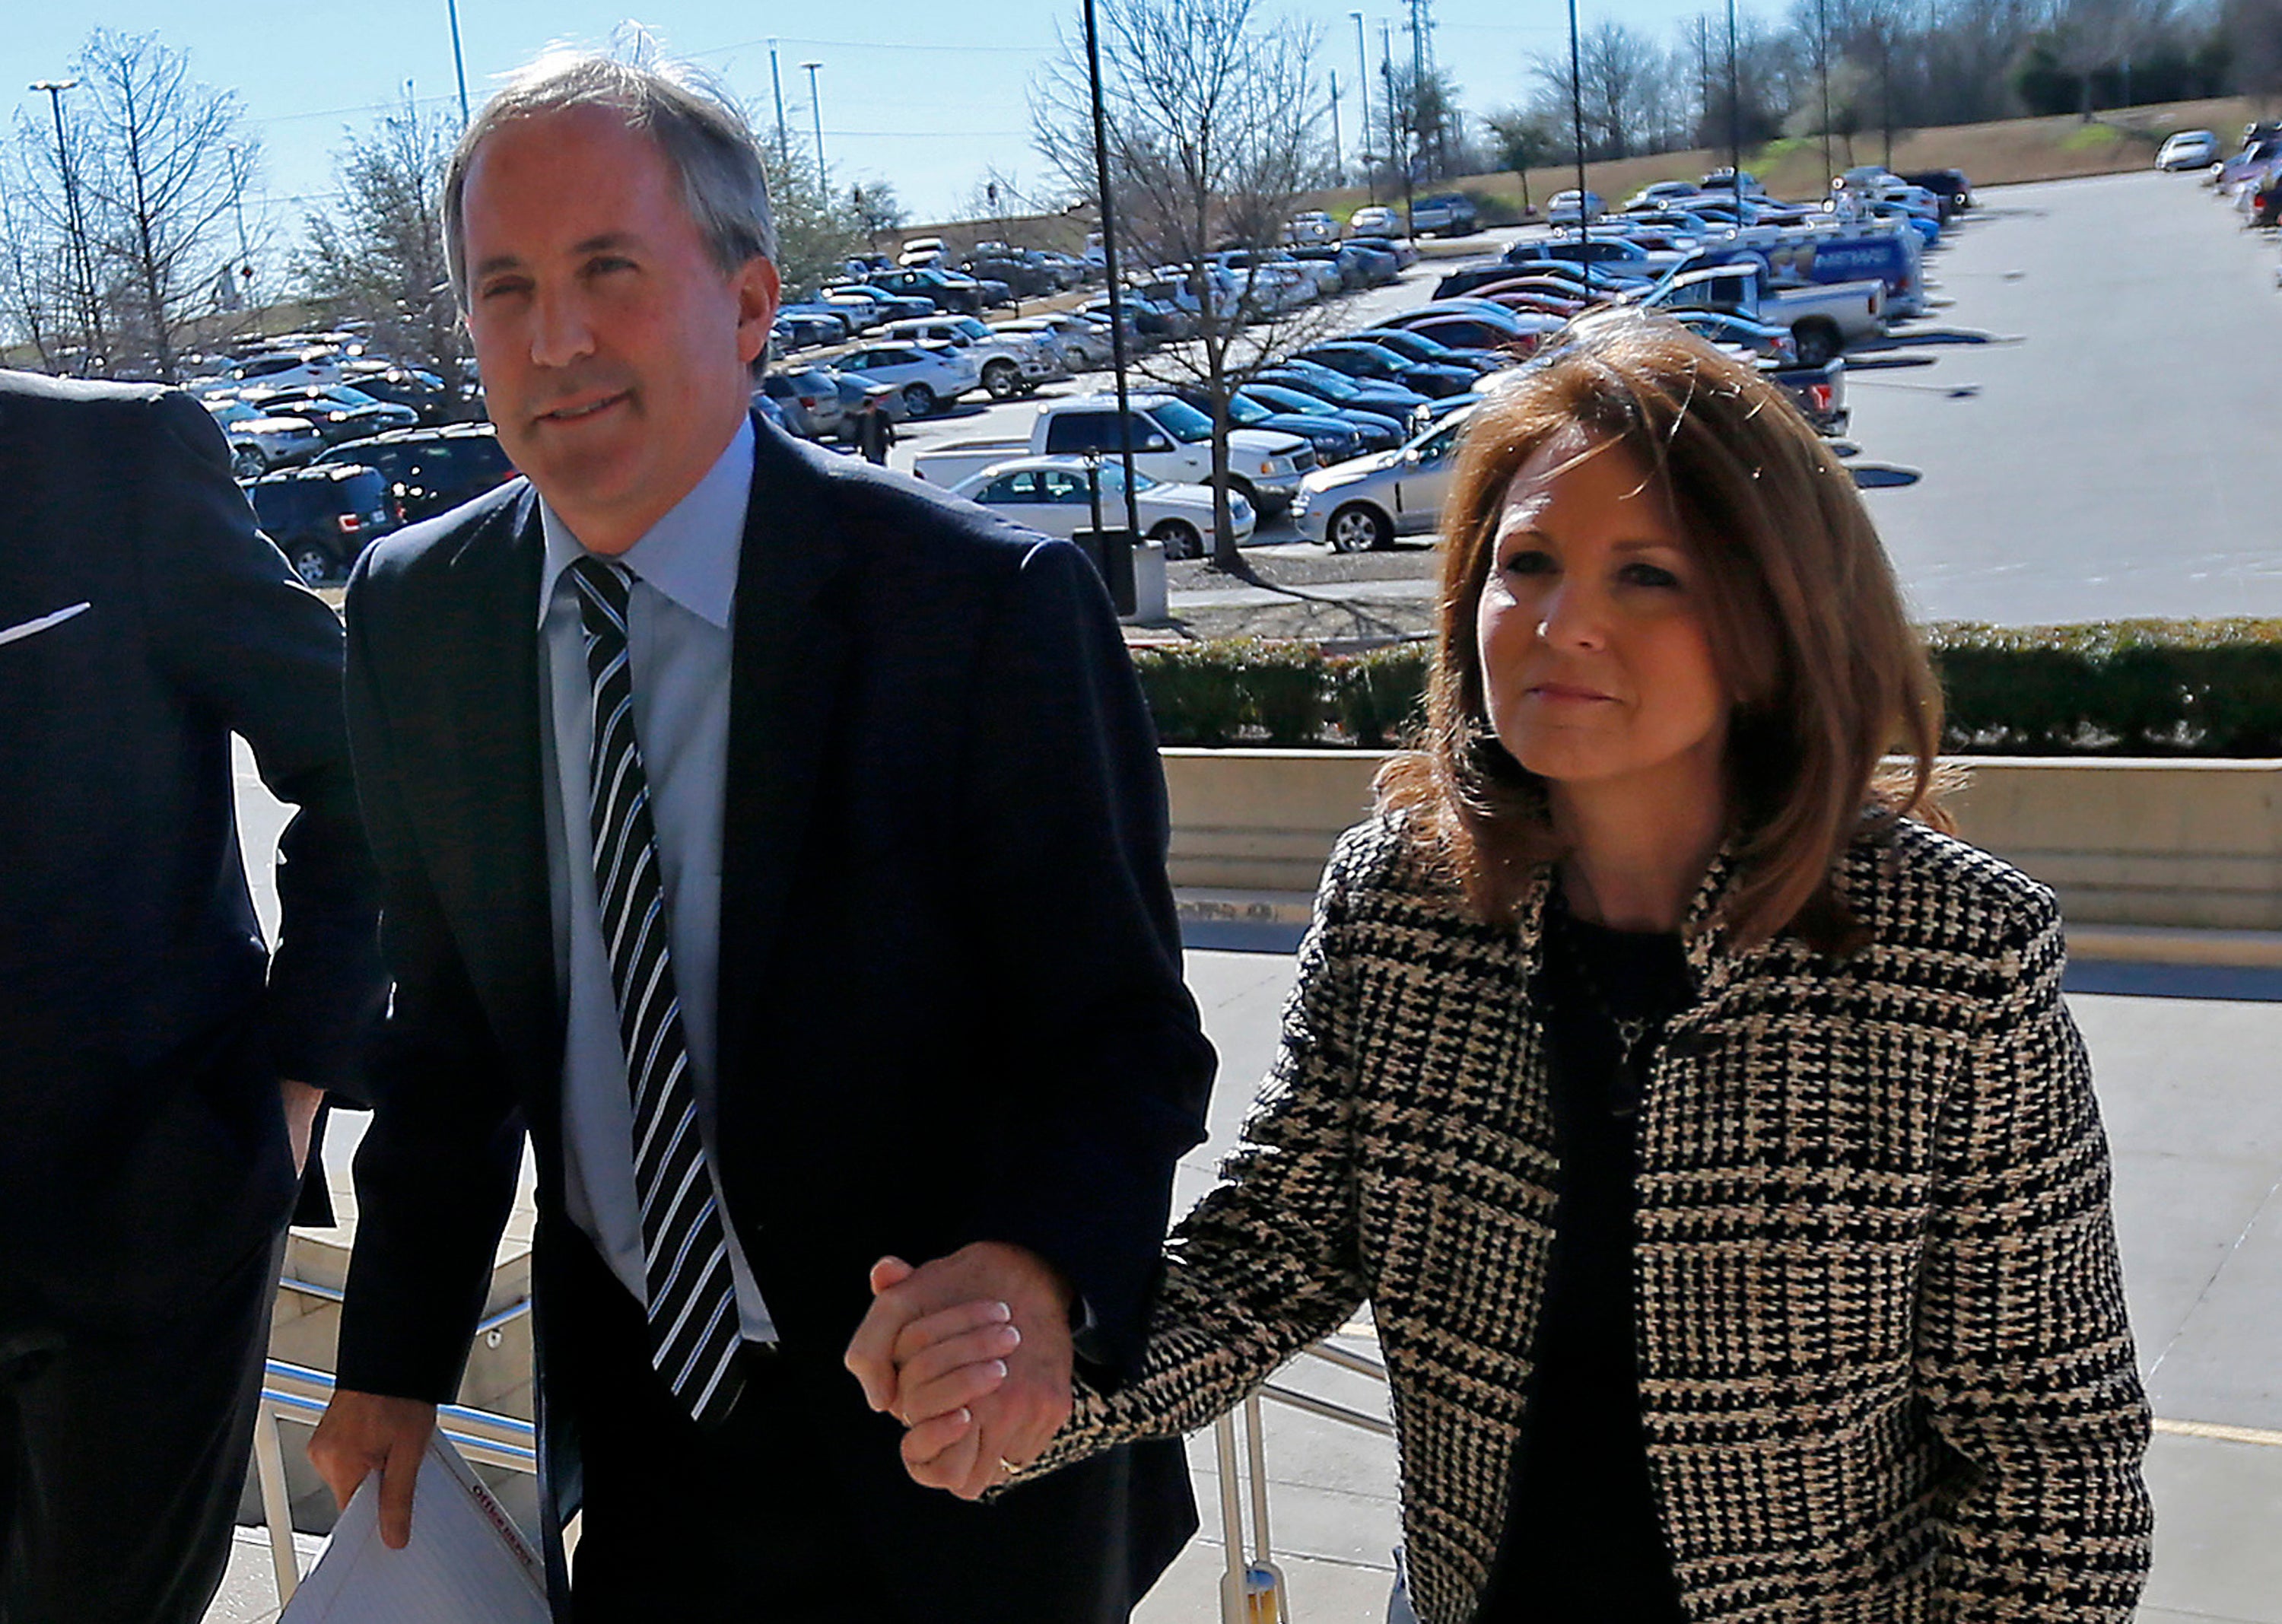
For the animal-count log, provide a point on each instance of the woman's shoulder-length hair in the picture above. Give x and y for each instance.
(1807, 624)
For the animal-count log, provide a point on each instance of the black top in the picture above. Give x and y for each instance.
(1582, 1541)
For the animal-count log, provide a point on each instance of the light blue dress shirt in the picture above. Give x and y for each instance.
(678, 640)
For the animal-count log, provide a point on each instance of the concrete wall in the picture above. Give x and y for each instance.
(2194, 845)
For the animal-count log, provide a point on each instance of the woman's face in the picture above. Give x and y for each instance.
(1596, 658)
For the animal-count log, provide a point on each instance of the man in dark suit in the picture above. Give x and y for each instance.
(781, 845)
(146, 1165)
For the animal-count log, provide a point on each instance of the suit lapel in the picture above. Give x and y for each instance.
(493, 760)
(785, 681)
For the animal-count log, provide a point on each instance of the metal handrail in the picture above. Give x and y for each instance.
(1252, 1589)
(300, 1392)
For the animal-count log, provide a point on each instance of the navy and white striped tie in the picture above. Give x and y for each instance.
(693, 1326)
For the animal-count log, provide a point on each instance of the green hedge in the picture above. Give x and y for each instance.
(2124, 687)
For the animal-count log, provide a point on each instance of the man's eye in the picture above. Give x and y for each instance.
(501, 290)
(608, 262)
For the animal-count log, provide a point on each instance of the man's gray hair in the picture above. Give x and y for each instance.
(703, 135)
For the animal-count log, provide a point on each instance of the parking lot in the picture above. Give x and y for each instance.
(2065, 436)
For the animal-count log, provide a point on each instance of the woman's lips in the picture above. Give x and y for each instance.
(1556, 693)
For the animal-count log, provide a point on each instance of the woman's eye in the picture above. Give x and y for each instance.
(1529, 561)
(1639, 574)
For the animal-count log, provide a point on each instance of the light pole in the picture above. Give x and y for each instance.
(1362, 89)
(1109, 268)
(776, 83)
(816, 112)
(1822, 58)
(1401, 157)
(458, 62)
(1577, 132)
(1735, 118)
(54, 88)
(1338, 168)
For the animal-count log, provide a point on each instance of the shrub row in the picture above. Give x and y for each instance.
(2125, 687)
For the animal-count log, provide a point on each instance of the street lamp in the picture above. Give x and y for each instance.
(458, 62)
(1362, 88)
(776, 83)
(816, 112)
(1109, 265)
(54, 89)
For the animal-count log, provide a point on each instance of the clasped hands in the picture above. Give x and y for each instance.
(972, 1352)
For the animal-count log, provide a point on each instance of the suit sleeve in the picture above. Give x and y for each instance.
(252, 645)
(436, 1170)
(2025, 1360)
(1268, 1264)
(1064, 808)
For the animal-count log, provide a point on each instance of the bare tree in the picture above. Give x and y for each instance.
(816, 232)
(876, 209)
(163, 163)
(1211, 114)
(1522, 136)
(41, 301)
(378, 257)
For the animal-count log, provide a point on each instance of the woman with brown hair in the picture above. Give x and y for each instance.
(1704, 1128)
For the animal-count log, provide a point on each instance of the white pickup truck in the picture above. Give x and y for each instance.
(1823, 318)
(1171, 440)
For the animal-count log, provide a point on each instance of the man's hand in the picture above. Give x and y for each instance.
(363, 1433)
(972, 1352)
(301, 1102)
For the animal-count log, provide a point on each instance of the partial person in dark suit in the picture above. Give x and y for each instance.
(773, 840)
(160, 1066)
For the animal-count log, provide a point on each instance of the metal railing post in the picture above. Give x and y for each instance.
(1232, 1604)
(277, 1505)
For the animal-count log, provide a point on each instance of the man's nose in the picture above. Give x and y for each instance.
(560, 332)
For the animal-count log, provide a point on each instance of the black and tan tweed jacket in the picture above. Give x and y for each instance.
(1883, 1363)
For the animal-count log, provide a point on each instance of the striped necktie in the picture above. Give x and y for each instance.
(694, 1326)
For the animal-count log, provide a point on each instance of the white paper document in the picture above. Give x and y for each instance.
(467, 1563)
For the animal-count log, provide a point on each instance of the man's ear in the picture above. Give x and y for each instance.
(759, 293)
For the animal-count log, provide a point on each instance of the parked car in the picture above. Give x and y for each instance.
(1334, 439)
(1725, 179)
(1368, 264)
(943, 289)
(422, 391)
(431, 470)
(1404, 405)
(336, 411)
(930, 375)
(1510, 338)
(1374, 219)
(1023, 279)
(802, 330)
(1658, 195)
(1055, 495)
(1366, 503)
(1377, 431)
(1448, 214)
(1413, 346)
(259, 442)
(2190, 148)
(835, 323)
(809, 397)
(1562, 207)
(1012, 363)
(1311, 226)
(1358, 359)
(289, 368)
(1950, 184)
(1081, 342)
(1764, 339)
(322, 518)
(922, 251)
(888, 304)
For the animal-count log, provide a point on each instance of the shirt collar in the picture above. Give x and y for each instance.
(690, 554)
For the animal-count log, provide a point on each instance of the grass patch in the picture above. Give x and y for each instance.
(2090, 138)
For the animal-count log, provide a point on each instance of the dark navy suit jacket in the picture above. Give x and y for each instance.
(144, 1023)
(950, 994)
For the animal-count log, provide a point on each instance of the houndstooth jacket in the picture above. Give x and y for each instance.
(1883, 1363)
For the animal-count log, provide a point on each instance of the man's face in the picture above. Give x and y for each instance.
(615, 354)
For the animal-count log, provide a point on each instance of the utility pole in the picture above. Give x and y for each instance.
(816, 112)
(1577, 133)
(1362, 89)
(1822, 58)
(458, 62)
(1399, 149)
(90, 340)
(1338, 169)
(1109, 268)
(1735, 118)
(776, 82)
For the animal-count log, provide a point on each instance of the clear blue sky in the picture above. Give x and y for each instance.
(926, 94)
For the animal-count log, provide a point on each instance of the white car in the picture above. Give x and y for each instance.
(1053, 496)
(1083, 342)
(929, 375)
(2190, 148)
(259, 443)
(1561, 207)
(1012, 363)
(1374, 220)
(1658, 195)
(1355, 506)
(1312, 225)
